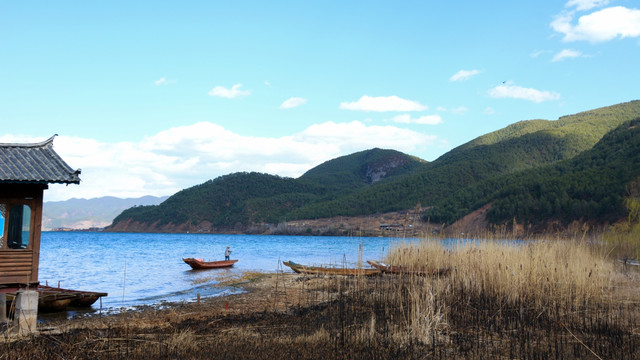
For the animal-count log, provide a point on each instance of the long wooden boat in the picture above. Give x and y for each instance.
(199, 264)
(321, 270)
(392, 269)
(80, 298)
(53, 299)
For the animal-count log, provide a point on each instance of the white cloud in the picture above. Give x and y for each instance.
(489, 110)
(163, 82)
(463, 75)
(518, 92)
(382, 104)
(293, 102)
(566, 54)
(181, 157)
(234, 92)
(422, 120)
(586, 4)
(603, 25)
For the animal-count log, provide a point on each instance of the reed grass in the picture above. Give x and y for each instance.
(537, 273)
(529, 300)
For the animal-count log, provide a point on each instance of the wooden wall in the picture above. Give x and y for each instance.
(19, 267)
(16, 267)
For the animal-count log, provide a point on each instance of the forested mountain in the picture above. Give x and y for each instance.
(532, 170)
(241, 199)
(590, 186)
(521, 146)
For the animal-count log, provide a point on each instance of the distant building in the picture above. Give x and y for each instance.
(392, 227)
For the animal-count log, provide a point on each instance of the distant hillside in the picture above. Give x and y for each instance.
(381, 181)
(589, 187)
(89, 213)
(242, 199)
(361, 169)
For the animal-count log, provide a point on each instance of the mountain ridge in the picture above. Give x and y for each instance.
(78, 214)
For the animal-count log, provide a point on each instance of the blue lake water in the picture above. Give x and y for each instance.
(145, 269)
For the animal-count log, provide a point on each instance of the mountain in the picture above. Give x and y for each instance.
(588, 187)
(518, 147)
(467, 178)
(89, 213)
(242, 199)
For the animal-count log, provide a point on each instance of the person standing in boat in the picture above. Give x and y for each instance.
(227, 253)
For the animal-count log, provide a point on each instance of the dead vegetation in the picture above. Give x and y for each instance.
(536, 300)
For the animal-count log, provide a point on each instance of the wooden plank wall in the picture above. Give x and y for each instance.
(16, 266)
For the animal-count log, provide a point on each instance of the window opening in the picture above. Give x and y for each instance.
(19, 227)
(3, 215)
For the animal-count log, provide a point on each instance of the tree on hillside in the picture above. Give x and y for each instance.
(624, 237)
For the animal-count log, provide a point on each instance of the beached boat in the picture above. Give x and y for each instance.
(52, 299)
(391, 269)
(80, 298)
(321, 270)
(200, 264)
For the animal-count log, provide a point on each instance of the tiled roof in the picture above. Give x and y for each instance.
(34, 163)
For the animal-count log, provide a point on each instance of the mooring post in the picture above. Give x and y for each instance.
(3, 308)
(26, 316)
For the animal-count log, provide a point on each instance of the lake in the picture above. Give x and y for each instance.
(144, 269)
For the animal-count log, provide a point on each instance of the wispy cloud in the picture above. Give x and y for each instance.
(184, 156)
(383, 104)
(421, 120)
(599, 26)
(537, 53)
(519, 92)
(459, 110)
(234, 92)
(163, 82)
(463, 75)
(293, 102)
(566, 54)
(581, 5)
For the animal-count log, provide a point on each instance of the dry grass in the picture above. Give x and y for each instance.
(537, 273)
(543, 299)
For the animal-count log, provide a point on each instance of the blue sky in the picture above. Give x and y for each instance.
(152, 97)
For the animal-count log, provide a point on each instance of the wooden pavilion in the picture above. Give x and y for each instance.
(25, 172)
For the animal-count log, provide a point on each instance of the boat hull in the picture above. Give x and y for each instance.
(321, 270)
(197, 264)
(391, 269)
(52, 299)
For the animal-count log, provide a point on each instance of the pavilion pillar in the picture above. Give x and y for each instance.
(3, 308)
(26, 316)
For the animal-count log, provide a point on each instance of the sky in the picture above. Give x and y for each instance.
(152, 97)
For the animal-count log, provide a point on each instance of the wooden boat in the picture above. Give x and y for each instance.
(52, 299)
(391, 269)
(321, 270)
(80, 298)
(200, 264)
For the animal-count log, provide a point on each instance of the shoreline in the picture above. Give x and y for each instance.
(254, 288)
